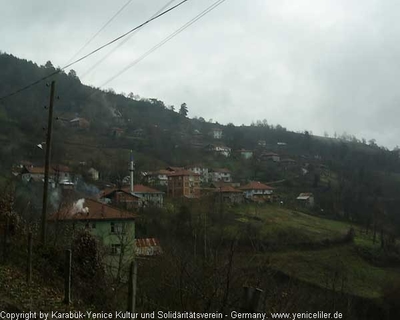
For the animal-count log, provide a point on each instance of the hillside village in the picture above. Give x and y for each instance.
(204, 209)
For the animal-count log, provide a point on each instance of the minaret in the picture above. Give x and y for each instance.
(131, 171)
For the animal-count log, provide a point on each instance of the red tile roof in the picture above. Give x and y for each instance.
(182, 173)
(38, 170)
(61, 168)
(160, 172)
(227, 189)
(256, 185)
(137, 188)
(96, 211)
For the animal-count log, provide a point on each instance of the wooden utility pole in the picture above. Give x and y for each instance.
(29, 262)
(6, 240)
(132, 287)
(67, 276)
(47, 163)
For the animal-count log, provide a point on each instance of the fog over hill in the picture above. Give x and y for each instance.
(322, 66)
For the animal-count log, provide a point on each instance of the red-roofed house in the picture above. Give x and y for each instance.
(256, 189)
(114, 227)
(30, 173)
(61, 173)
(184, 183)
(141, 196)
(229, 194)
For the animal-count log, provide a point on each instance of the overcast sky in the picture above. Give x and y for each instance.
(319, 65)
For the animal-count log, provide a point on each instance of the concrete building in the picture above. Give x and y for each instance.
(183, 183)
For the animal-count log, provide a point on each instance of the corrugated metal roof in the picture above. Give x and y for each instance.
(147, 247)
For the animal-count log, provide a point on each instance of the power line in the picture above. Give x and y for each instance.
(99, 31)
(167, 39)
(95, 65)
(93, 52)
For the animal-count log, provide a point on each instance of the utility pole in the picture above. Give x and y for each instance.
(47, 163)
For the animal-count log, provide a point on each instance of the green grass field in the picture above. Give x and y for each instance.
(337, 267)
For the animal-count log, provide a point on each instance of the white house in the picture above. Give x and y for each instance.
(256, 189)
(306, 199)
(216, 133)
(220, 174)
(270, 156)
(159, 177)
(201, 170)
(220, 149)
(30, 173)
(246, 154)
(61, 173)
(94, 174)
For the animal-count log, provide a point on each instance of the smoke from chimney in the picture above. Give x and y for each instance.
(79, 208)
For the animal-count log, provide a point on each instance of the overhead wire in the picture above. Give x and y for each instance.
(92, 52)
(118, 46)
(167, 39)
(99, 31)
(95, 65)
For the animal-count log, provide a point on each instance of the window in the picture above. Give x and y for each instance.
(115, 249)
(116, 228)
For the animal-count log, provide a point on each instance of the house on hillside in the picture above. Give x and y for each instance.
(229, 194)
(184, 183)
(115, 229)
(269, 156)
(306, 200)
(80, 123)
(138, 133)
(174, 169)
(220, 174)
(142, 196)
(262, 143)
(120, 198)
(152, 197)
(94, 174)
(287, 163)
(256, 190)
(159, 177)
(246, 154)
(219, 149)
(216, 133)
(201, 170)
(62, 173)
(117, 132)
(36, 174)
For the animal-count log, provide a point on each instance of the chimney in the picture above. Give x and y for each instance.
(131, 171)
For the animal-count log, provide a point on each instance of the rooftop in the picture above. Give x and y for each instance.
(90, 210)
(256, 185)
(182, 173)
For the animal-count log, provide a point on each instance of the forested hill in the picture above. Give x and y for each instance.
(159, 134)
